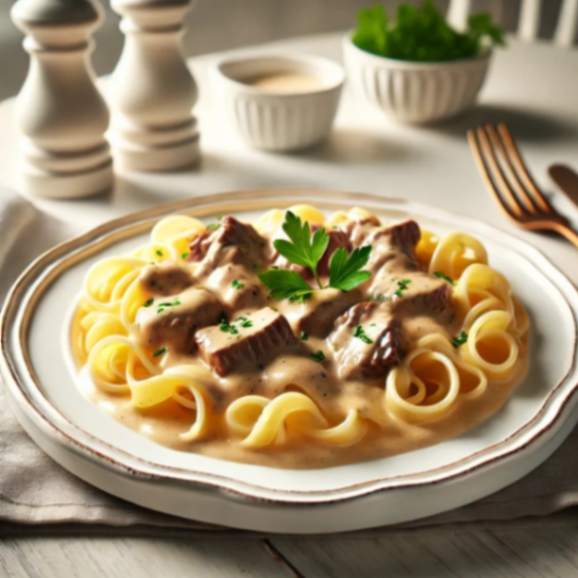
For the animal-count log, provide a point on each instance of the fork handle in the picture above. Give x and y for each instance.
(568, 232)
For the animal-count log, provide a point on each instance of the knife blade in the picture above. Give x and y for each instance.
(566, 179)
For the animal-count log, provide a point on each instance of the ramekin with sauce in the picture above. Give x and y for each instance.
(279, 103)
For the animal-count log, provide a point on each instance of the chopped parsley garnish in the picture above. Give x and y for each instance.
(402, 286)
(359, 332)
(236, 284)
(213, 226)
(304, 336)
(148, 302)
(185, 255)
(442, 275)
(166, 304)
(244, 322)
(306, 250)
(378, 297)
(318, 356)
(460, 339)
(159, 352)
(227, 327)
(159, 252)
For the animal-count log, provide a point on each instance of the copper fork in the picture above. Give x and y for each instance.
(507, 178)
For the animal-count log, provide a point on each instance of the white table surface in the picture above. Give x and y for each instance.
(534, 88)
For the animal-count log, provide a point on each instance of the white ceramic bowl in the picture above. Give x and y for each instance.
(414, 92)
(278, 121)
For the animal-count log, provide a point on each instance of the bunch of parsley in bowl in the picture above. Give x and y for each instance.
(417, 68)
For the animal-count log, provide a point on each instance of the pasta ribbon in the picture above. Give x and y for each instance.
(454, 253)
(177, 232)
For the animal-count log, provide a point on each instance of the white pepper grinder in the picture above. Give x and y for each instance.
(61, 115)
(152, 92)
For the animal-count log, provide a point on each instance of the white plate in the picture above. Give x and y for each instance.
(103, 452)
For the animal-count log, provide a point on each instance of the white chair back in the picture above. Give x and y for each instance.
(529, 18)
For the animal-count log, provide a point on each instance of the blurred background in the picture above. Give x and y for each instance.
(216, 25)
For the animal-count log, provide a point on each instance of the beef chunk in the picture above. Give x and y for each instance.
(237, 287)
(367, 341)
(245, 344)
(316, 316)
(423, 294)
(165, 279)
(233, 242)
(173, 321)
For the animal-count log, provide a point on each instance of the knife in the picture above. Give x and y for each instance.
(566, 179)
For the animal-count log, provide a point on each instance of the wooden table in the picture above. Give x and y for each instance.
(534, 88)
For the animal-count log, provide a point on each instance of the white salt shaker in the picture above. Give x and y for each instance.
(61, 115)
(152, 92)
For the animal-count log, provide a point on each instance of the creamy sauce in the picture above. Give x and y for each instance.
(335, 384)
(283, 82)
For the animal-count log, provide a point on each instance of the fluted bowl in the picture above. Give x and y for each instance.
(278, 121)
(414, 92)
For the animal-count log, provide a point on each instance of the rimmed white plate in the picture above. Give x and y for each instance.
(103, 452)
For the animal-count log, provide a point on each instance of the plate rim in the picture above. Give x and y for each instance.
(232, 485)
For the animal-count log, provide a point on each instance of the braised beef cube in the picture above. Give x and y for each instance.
(165, 279)
(413, 292)
(172, 321)
(367, 341)
(237, 287)
(316, 315)
(246, 343)
(232, 242)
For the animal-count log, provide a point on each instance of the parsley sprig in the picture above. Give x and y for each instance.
(306, 250)
(460, 339)
(442, 275)
(402, 286)
(360, 333)
(161, 307)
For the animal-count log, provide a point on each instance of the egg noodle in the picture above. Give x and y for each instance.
(428, 384)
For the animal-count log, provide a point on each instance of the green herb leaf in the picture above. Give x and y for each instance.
(445, 277)
(148, 302)
(236, 284)
(402, 286)
(460, 339)
(185, 255)
(344, 269)
(318, 356)
(302, 248)
(285, 284)
(159, 352)
(213, 226)
(244, 322)
(227, 327)
(159, 252)
(304, 336)
(166, 304)
(359, 332)
(421, 34)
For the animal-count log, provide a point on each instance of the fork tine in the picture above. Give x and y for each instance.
(513, 179)
(473, 136)
(522, 171)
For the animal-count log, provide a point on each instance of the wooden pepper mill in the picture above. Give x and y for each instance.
(152, 92)
(60, 112)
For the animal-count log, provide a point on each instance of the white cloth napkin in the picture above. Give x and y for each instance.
(37, 495)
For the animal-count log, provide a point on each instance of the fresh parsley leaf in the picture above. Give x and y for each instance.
(185, 255)
(318, 356)
(304, 336)
(244, 322)
(213, 226)
(166, 304)
(344, 269)
(159, 252)
(236, 284)
(285, 284)
(421, 34)
(159, 352)
(302, 248)
(227, 327)
(460, 339)
(445, 277)
(359, 332)
(148, 302)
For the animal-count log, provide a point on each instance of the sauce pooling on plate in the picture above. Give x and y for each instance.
(285, 82)
(300, 342)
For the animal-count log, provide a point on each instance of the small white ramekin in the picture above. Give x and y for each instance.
(414, 92)
(278, 121)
